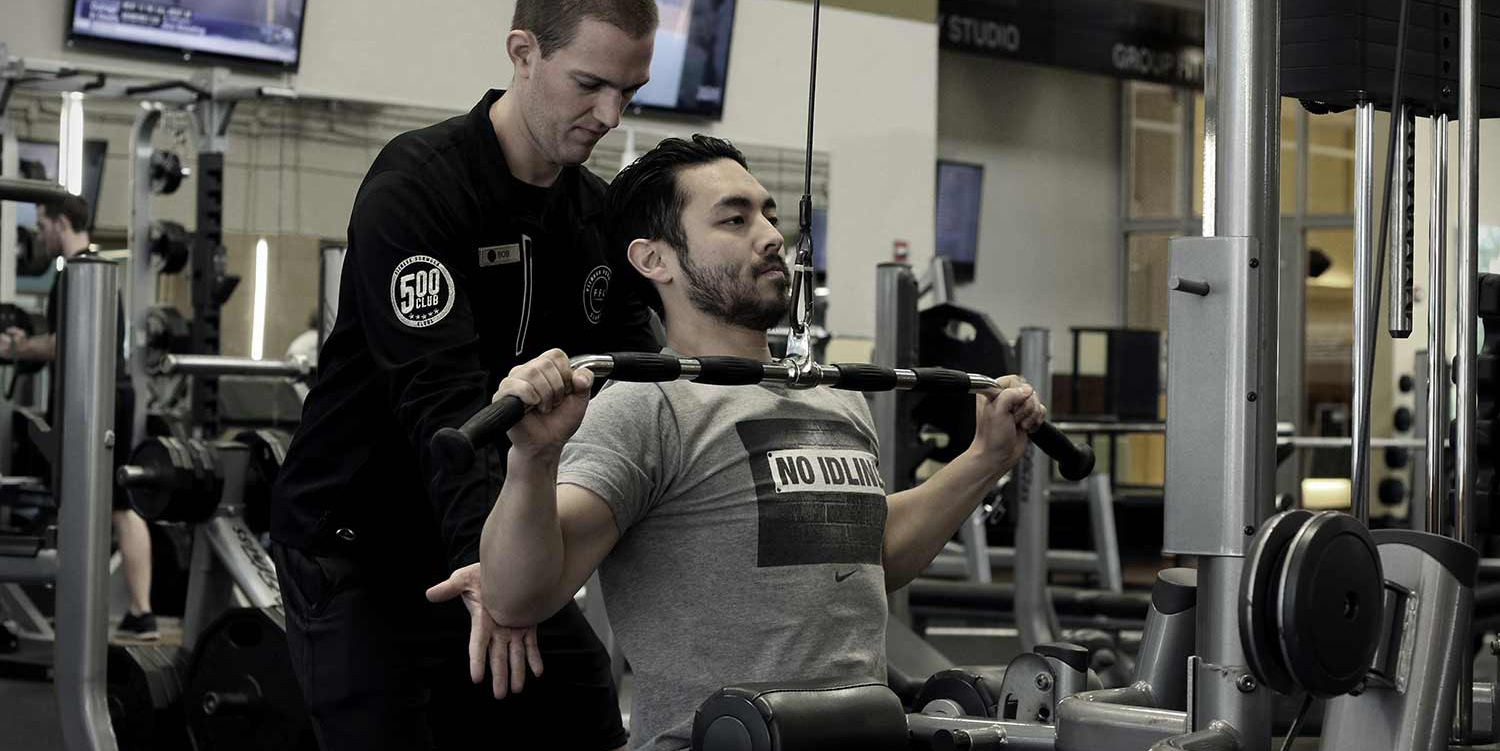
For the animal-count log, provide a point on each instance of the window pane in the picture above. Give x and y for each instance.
(1330, 337)
(1289, 111)
(1146, 281)
(1198, 154)
(1155, 128)
(1338, 245)
(1330, 163)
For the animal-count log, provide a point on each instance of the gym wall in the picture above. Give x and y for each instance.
(876, 105)
(1049, 232)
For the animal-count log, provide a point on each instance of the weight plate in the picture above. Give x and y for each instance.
(198, 453)
(267, 454)
(1259, 599)
(178, 452)
(153, 498)
(143, 689)
(240, 692)
(1332, 601)
(962, 687)
(962, 339)
(184, 487)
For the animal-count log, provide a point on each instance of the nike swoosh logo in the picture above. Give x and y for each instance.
(838, 577)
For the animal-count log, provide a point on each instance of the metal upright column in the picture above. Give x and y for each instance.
(1421, 482)
(895, 347)
(1437, 333)
(1468, 265)
(1244, 65)
(331, 272)
(1035, 616)
(1364, 255)
(1468, 312)
(86, 374)
(9, 167)
(143, 270)
(1400, 264)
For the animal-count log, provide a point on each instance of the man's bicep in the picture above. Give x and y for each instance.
(589, 532)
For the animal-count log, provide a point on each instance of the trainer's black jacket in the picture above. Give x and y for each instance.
(456, 272)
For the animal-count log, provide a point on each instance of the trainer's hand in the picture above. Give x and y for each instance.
(11, 341)
(507, 650)
(557, 396)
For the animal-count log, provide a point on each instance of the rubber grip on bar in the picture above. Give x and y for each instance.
(455, 448)
(644, 367)
(1075, 461)
(863, 377)
(942, 380)
(731, 371)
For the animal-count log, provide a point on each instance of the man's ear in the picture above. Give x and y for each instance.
(520, 46)
(649, 259)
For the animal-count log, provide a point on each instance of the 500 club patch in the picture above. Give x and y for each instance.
(422, 291)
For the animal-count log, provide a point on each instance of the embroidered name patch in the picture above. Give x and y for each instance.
(422, 291)
(499, 255)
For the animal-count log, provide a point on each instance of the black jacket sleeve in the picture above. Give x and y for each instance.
(432, 365)
(629, 321)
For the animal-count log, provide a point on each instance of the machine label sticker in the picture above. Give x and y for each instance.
(422, 291)
(595, 289)
(819, 494)
(499, 255)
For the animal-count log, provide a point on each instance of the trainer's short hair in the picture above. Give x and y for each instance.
(555, 22)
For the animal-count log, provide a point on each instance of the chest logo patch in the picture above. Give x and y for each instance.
(422, 292)
(818, 493)
(595, 290)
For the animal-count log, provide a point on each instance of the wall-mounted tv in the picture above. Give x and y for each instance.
(960, 189)
(691, 63)
(259, 32)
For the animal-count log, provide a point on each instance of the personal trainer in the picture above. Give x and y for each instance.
(63, 228)
(474, 245)
(742, 533)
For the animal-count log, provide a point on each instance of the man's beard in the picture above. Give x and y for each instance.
(723, 294)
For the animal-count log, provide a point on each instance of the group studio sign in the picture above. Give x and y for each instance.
(1115, 37)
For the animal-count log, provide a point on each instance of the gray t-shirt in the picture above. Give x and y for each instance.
(751, 525)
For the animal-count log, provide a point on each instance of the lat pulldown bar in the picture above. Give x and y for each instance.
(455, 447)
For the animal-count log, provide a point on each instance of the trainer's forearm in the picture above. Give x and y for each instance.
(41, 348)
(921, 520)
(521, 550)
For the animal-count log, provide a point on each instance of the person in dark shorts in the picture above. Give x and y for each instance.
(63, 228)
(474, 244)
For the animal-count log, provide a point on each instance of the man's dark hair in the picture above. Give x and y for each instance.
(73, 208)
(555, 22)
(645, 201)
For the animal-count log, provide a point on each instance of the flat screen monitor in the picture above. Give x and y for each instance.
(260, 32)
(691, 64)
(959, 192)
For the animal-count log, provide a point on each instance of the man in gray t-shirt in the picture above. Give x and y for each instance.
(741, 533)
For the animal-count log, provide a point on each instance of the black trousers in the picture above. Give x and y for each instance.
(382, 668)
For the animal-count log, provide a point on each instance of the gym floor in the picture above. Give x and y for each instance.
(32, 720)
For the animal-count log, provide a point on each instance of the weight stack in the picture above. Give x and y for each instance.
(1338, 53)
